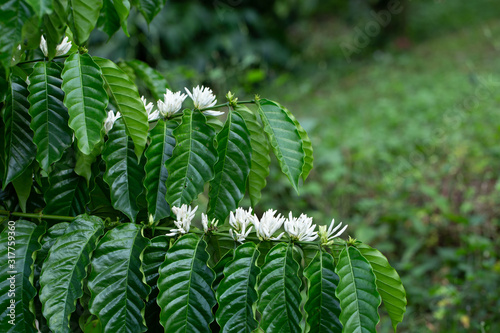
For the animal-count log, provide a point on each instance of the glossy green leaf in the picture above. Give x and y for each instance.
(124, 174)
(109, 21)
(150, 8)
(306, 144)
(83, 18)
(14, 14)
(153, 79)
(49, 123)
(48, 240)
(128, 102)
(22, 185)
(284, 138)
(231, 170)
(31, 34)
(84, 162)
(123, 9)
(279, 291)
(19, 148)
(357, 292)
(54, 25)
(41, 7)
(322, 306)
(261, 160)
(219, 268)
(20, 242)
(186, 297)
(236, 293)
(153, 257)
(65, 268)
(85, 99)
(389, 283)
(192, 161)
(116, 281)
(68, 193)
(159, 151)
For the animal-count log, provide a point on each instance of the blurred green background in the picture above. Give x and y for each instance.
(405, 130)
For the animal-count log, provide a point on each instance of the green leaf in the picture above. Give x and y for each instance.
(22, 185)
(65, 268)
(109, 21)
(85, 99)
(159, 151)
(124, 174)
(259, 169)
(231, 170)
(389, 283)
(322, 305)
(49, 123)
(123, 9)
(279, 291)
(20, 241)
(48, 240)
(14, 14)
(285, 140)
(128, 102)
(18, 145)
(83, 18)
(186, 298)
(41, 7)
(153, 257)
(68, 193)
(219, 267)
(192, 161)
(54, 25)
(306, 144)
(116, 281)
(84, 162)
(153, 79)
(150, 8)
(357, 292)
(236, 293)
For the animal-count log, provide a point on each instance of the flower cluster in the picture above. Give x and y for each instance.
(171, 104)
(185, 215)
(242, 222)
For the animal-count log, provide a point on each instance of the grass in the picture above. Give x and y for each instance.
(406, 153)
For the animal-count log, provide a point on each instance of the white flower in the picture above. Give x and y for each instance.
(43, 46)
(185, 215)
(204, 98)
(301, 228)
(110, 120)
(207, 226)
(239, 222)
(171, 104)
(268, 225)
(327, 236)
(61, 49)
(152, 116)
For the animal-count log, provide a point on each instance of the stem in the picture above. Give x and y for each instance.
(226, 104)
(37, 216)
(41, 59)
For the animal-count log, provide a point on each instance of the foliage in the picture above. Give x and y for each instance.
(115, 180)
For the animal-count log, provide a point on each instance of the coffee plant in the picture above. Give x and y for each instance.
(97, 187)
